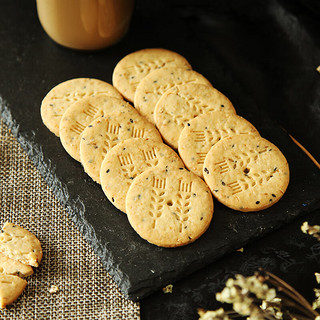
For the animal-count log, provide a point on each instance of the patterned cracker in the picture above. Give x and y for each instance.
(59, 99)
(80, 114)
(14, 267)
(135, 66)
(107, 131)
(20, 244)
(154, 85)
(246, 172)
(180, 104)
(11, 288)
(201, 133)
(127, 160)
(168, 206)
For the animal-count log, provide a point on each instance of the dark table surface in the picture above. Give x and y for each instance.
(268, 50)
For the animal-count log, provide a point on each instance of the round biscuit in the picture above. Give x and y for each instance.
(59, 98)
(124, 162)
(80, 114)
(246, 172)
(169, 207)
(180, 104)
(156, 83)
(204, 131)
(107, 131)
(135, 66)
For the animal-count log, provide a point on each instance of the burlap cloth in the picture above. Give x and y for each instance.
(86, 291)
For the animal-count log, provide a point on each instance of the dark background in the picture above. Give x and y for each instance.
(267, 50)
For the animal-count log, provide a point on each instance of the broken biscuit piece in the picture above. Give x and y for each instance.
(20, 244)
(11, 288)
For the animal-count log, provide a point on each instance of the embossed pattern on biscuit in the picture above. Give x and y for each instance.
(134, 67)
(169, 206)
(204, 131)
(127, 160)
(181, 104)
(156, 83)
(14, 267)
(107, 131)
(62, 96)
(79, 115)
(246, 172)
(11, 288)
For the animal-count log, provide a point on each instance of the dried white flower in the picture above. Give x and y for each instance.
(312, 230)
(213, 315)
(316, 303)
(317, 277)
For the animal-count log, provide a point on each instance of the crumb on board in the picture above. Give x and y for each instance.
(240, 250)
(168, 288)
(318, 69)
(54, 289)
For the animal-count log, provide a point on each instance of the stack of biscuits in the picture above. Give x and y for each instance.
(165, 188)
(20, 250)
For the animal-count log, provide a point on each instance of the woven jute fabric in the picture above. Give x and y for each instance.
(86, 291)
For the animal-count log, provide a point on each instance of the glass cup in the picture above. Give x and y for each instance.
(85, 24)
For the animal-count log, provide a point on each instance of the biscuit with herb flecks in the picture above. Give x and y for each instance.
(20, 244)
(80, 114)
(169, 206)
(246, 172)
(156, 83)
(124, 162)
(180, 104)
(60, 98)
(131, 69)
(107, 131)
(203, 132)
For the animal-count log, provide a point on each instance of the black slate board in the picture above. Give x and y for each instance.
(31, 64)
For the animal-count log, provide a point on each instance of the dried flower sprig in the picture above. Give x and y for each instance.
(259, 297)
(265, 296)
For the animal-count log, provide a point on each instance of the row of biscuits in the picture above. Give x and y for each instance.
(20, 250)
(192, 117)
(104, 132)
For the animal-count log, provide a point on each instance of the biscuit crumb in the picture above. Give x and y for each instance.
(168, 288)
(318, 69)
(54, 289)
(240, 250)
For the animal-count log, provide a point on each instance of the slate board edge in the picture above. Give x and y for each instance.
(74, 208)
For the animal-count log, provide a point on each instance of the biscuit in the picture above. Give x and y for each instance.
(20, 244)
(135, 66)
(156, 83)
(180, 104)
(202, 132)
(80, 114)
(168, 206)
(106, 132)
(14, 267)
(124, 162)
(59, 98)
(11, 288)
(246, 172)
